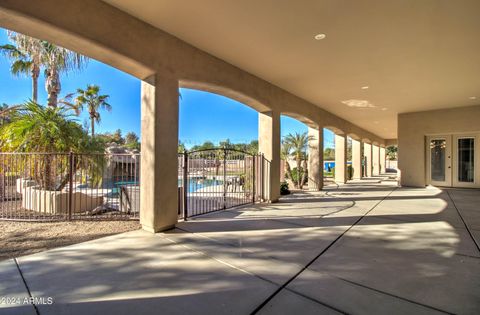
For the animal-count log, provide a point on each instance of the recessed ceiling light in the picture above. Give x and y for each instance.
(473, 97)
(365, 87)
(358, 103)
(320, 36)
(384, 108)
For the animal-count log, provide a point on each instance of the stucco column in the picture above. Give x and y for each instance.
(367, 153)
(315, 158)
(376, 159)
(340, 159)
(357, 159)
(269, 145)
(159, 113)
(383, 160)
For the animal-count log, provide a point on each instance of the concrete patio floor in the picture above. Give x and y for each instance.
(364, 248)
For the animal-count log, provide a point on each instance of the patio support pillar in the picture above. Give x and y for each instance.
(376, 160)
(357, 158)
(383, 160)
(367, 152)
(159, 162)
(340, 159)
(269, 145)
(315, 158)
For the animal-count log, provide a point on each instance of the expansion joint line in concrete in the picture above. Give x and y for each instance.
(393, 295)
(463, 220)
(245, 271)
(283, 286)
(26, 286)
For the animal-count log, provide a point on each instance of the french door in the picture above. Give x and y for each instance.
(464, 161)
(439, 160)
(452, 160)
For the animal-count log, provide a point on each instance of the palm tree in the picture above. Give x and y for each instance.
(392, 152)
(58, 60)
(26, 58)
(285, 155)
(4, 114)
(35, 128)
(91, 98)
(131, 141)
(181, 147)
(30, 55)
(298, 145)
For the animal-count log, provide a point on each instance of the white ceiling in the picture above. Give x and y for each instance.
(414, 55)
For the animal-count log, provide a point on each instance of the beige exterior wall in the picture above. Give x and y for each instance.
(383, 160)
(389, 142)
(367, 153)
(357, 159)
(413, 128)
(107, 34)
(159, 158)
(269, 145)
(376, 160)
(315, 158)
(340, 159)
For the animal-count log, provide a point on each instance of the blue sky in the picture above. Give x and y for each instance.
(124, 91)
(203, 116)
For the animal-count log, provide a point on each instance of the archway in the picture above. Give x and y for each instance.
(220, 163)
(94, 161)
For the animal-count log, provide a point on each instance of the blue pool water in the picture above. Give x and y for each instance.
(116, 187)
(195, 184)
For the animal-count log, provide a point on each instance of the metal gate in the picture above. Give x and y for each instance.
(216, 179)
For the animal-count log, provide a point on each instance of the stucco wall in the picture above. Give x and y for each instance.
(103, 32)
(414, 127)
(164, 63)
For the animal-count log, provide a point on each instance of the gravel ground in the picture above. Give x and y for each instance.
(23, 238)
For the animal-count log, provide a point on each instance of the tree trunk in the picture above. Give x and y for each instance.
(304, 176)
(53, 88)
(288, 170)
(48, 178)
(35, 75)
(299, 177)
(92, 125)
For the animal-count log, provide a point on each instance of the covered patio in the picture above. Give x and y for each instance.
(367, 247)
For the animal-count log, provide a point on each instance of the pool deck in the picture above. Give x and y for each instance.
(367, 247)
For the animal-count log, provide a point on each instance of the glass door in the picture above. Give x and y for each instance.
(439, 161)
(464, 173)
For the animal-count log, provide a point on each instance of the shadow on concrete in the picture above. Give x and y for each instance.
(409, 255)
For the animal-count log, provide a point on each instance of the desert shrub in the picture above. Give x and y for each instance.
(284, 188)
(349, 172)
(296, 174)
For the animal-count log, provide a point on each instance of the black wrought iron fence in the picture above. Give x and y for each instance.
(219, 178)
(69, 186)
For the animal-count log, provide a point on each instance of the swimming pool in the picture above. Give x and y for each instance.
(195, 184)
(116, 187)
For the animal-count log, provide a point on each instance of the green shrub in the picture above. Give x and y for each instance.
(349, 172)
(295, 175)
(284, 188)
